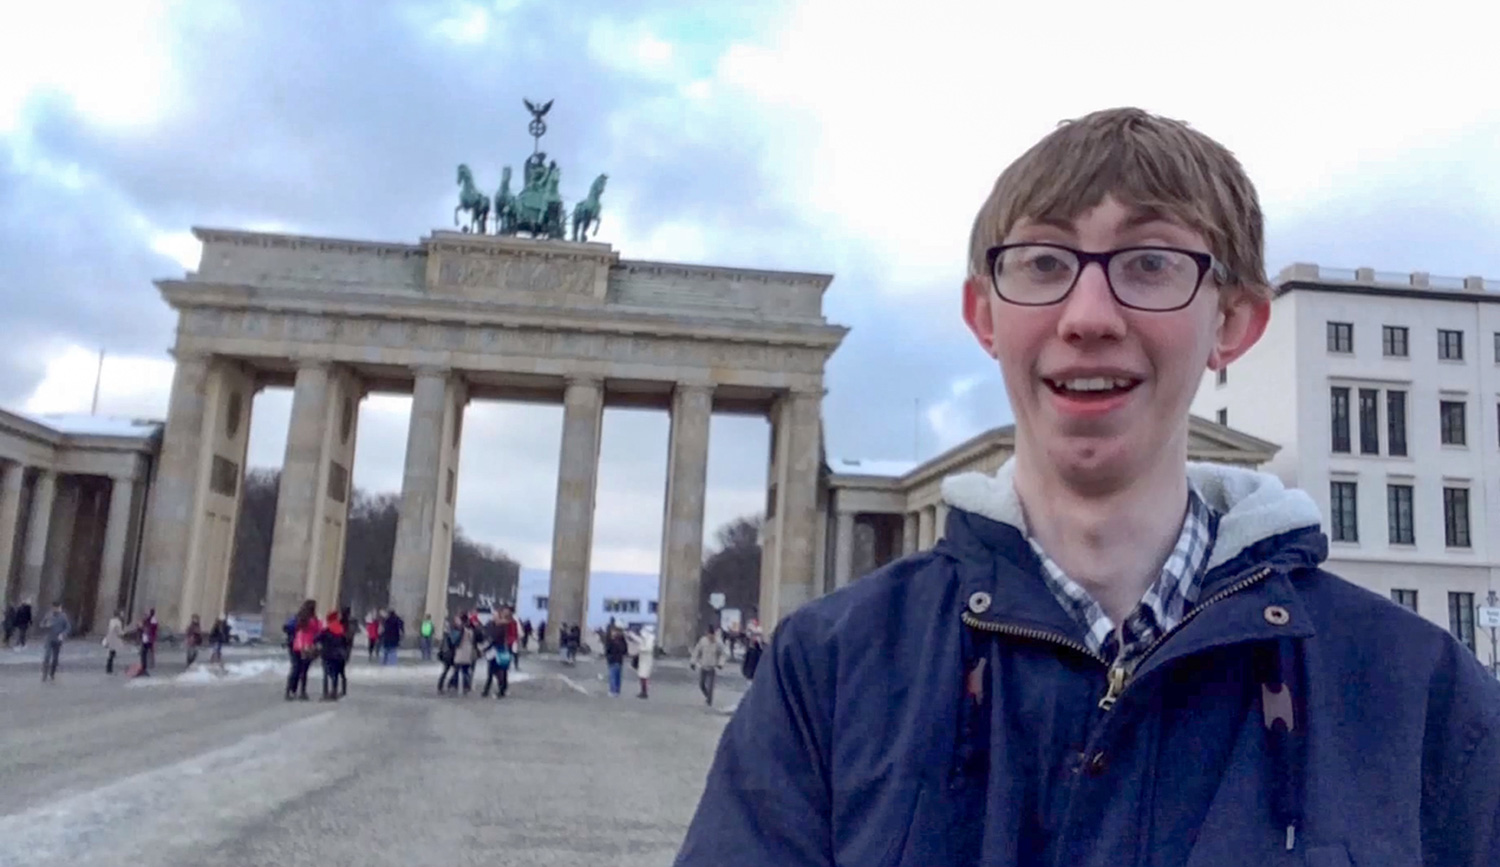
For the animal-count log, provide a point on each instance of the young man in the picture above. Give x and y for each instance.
(1113, 657)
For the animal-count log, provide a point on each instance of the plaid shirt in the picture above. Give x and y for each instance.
(1166, 601)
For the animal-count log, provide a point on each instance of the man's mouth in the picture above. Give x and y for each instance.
(1092, 387)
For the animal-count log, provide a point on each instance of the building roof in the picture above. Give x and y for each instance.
(860, 467)
(79, 425)
(1368, 281)
(1209, 438)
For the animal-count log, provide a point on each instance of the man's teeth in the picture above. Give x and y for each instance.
(1098, 383)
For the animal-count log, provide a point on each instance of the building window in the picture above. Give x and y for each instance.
(1340, 411)
(541, 602)
(1224, 371)
(651, 607)
(1461, 617)
(1405, 598)
(1393, 341)
(1453, 423)
(1369, 421)
(1395, 423)
(1450, 345)
(1497, 347)
(622, 606)
(1344, 512)
(1401, 527)
(1456, 517)
(1341, 337)
(1222, 416)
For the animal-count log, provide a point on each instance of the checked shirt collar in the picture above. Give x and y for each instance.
(1171, 596)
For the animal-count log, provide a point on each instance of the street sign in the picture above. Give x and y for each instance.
(716, 601)
(1488, 616)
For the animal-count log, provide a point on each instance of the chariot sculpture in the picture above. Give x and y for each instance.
(537, 209)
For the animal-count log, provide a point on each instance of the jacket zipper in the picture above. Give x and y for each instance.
(1119, 677)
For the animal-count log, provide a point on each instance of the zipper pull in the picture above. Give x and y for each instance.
(1117, 676)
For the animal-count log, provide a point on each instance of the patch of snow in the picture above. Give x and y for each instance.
(209, 673)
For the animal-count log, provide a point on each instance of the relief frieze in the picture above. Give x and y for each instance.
(533, 275)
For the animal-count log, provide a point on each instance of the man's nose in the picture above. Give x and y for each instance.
(1090, 312)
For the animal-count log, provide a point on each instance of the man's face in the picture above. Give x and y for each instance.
(1106, 440)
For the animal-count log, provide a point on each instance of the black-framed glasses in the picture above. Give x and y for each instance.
(1154, 279)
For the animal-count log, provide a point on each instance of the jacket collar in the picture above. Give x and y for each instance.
(1262, 525)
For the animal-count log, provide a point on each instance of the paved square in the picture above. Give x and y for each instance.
(203, 771)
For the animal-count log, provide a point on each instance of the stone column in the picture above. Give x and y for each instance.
(909, 533)
(10, 517)
(43, 496)
(116, 539)
(925, 522)
(292, 549)
(939, 522)
(573, 526)
(680, 607)
(798, 440)
(173, 494)
(843, 556)
(224, 436)
(425, 523)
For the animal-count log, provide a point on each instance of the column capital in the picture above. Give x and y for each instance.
(323, 364)
(585, 381)
(694, 387)
(181, 355)
(431, 370)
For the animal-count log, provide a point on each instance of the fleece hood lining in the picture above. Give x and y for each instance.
(1252, 505)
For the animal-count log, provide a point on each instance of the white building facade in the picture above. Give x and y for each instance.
(1384, 392)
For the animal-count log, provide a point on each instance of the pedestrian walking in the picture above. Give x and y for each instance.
(643, 657)
(391, 633)
(55, 628)
(616, 648)
(333, 648)
(373, 625)
(193, 639)
(114, 640)
(425, 632)
(707, 657)
(304, 647)
(218, 636)
(22, 621)
(501, 637)
(147, 631)
(464, 645)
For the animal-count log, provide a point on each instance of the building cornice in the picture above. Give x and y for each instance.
(187, 294)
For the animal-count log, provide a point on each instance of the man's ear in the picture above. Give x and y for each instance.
(1242, 319)
(979, 301)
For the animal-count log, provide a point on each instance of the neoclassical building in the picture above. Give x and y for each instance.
(876, 511)
(73, 491)
(450, 318)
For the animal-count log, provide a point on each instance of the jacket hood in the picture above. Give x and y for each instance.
(1252, 506)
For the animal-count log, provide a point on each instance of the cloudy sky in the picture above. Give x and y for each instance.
(850, 137)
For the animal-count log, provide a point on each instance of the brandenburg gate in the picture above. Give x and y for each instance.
(457, 316)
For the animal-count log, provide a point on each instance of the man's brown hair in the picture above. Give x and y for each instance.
(1144, 161)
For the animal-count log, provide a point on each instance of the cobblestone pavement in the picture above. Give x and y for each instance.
(203, 770)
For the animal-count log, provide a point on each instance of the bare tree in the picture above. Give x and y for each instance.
(733, 568)
(369, 547)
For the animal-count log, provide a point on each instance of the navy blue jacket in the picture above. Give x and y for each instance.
(945, 711)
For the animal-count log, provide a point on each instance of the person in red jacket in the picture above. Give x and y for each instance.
(333, 648)
(306, 628)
